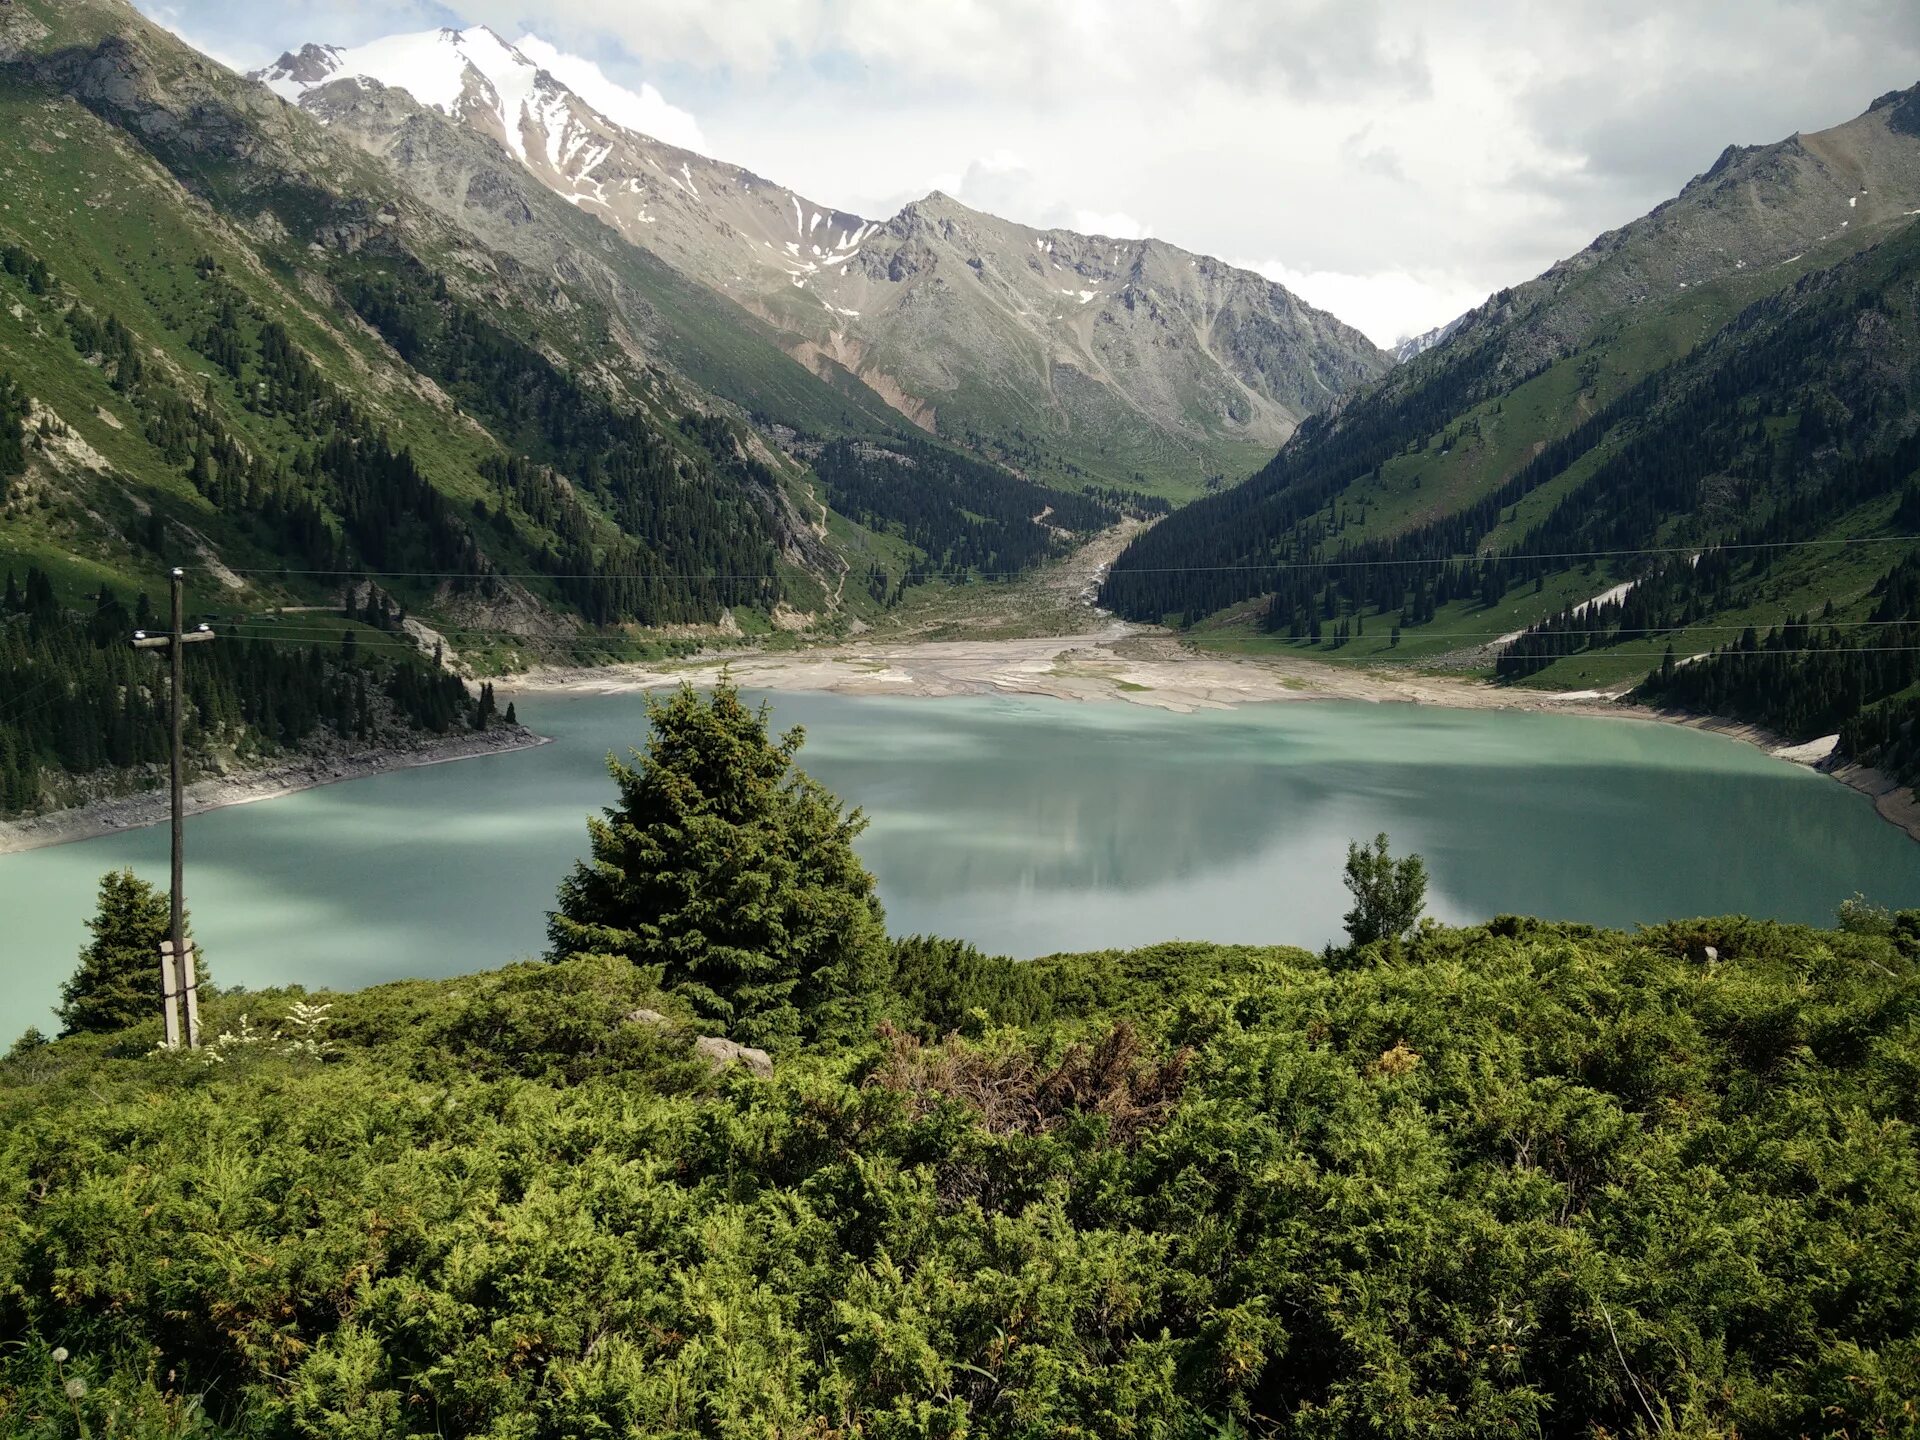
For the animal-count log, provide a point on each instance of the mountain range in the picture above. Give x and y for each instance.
(232, 341)
(418, 337)
(1130, 361)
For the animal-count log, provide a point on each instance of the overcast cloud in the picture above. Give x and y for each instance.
(1392, 160)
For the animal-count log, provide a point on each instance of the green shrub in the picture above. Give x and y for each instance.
(1527, 1178)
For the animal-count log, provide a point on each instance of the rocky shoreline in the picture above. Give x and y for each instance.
(1895, 803)
(284, 777)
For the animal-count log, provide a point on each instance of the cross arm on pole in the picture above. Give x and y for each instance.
(143, 641)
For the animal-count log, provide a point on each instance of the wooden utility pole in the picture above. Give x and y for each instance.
(176, 958)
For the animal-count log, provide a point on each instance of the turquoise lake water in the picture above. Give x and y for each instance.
(1026, 825)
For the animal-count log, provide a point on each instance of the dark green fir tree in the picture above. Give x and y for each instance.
(733, 873)
(118, 982)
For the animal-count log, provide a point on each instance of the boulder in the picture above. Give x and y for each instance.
(721, 1053)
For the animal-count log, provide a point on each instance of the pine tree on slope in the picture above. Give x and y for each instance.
(733, 873)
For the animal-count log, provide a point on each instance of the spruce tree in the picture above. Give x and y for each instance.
(118, 982)
(1388, 894)
(732, 874)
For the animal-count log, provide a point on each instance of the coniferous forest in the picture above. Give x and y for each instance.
(82, 701)
(688, 543)
(963, 516)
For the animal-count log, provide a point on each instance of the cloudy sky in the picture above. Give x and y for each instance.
(1391, 160)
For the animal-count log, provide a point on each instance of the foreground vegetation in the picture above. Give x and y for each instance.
(1521, 1178)
(1518, 1179)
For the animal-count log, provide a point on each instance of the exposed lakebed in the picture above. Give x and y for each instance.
(1027, 825)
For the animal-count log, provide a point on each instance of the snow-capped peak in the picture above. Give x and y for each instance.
(293, 74)
(448, 70)
(1408, 346)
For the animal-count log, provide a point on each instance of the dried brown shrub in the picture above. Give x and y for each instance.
(1017, 1092)
(1398, 1060)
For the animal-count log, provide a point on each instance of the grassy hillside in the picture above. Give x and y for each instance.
(1610, 473)
(1531, 369)
(1527, 1177)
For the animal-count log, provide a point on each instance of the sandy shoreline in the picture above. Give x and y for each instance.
(150, 807)
(1141, 666)
(1128, 663)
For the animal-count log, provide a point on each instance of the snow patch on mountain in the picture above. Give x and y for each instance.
(1408, 346)
(645, 109)
(529, 86)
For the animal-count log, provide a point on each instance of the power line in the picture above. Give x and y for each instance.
(477, 633)
(15, 709)
(1473, 558)
(255, 629)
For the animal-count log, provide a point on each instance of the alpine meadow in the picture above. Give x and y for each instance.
(636, 804)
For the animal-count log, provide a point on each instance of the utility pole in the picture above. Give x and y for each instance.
(176, 961)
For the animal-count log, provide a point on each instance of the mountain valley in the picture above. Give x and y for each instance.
(414, 335)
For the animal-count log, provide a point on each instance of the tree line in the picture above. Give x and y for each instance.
(961, 514)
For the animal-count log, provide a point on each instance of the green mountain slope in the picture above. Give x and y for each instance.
(1535, 362)
(1580, 435)
(231, 342)
(221, 267)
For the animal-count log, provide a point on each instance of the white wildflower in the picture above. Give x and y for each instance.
(306, 1040)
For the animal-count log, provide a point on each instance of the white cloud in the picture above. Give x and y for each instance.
(1004, 184)
(1115, 223)
(1386, 307)
(169, 17)
(645, 110)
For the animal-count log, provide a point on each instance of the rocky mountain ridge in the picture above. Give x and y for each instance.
(1047, 348)
(1807, 200)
